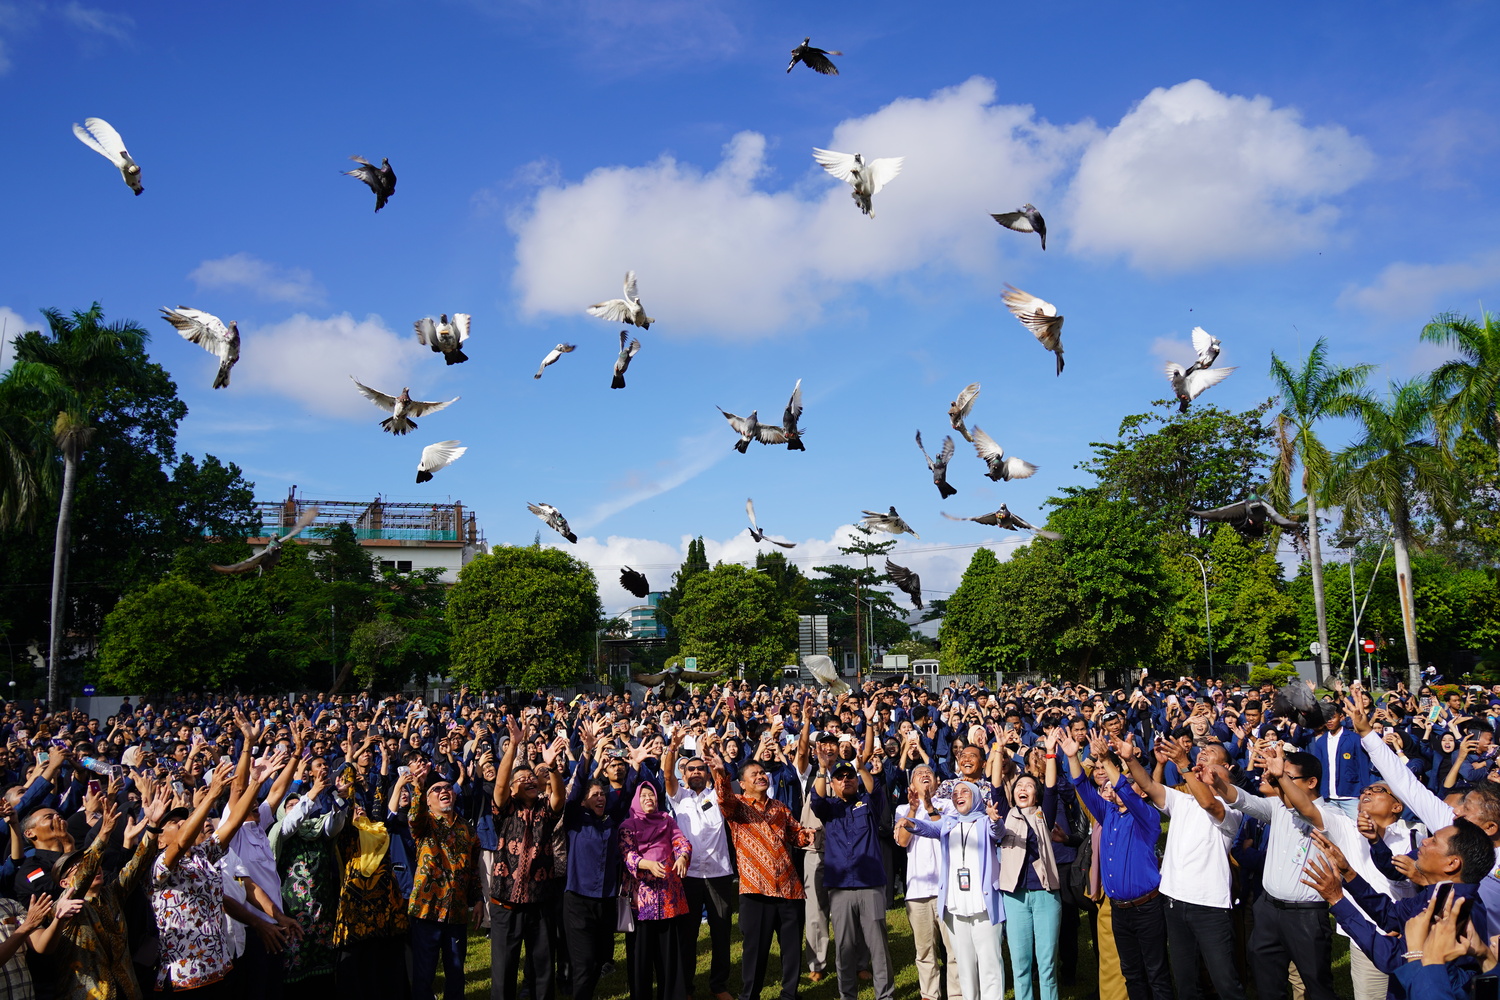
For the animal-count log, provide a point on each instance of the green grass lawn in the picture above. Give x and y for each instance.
(614, 987)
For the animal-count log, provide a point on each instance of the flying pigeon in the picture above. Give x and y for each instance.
(867, 178)
(381, 179)
(939, 468)
(626, 310)
(554, 519)
(960, 407)
(757, 534)
(994, 456)
(788, 433)
(906, 581)
(98, 135)
(208, 332)
(1296, 703)
(825, 673)
(623, 361)
(634, 583)
(670, 680)
(1038, 316)
(814, 58)
(1206, 346)
(887, 522)
(748, 428)
(443, 337)
(401, 408)
(553, 355)
(268, 557)
(1188, 385)
(1248, 516)
(1026, 219)
(437, 456)
(1003, 518)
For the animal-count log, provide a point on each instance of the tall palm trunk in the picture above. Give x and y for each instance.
(60, 567)
(1315, 558)
(1401, 532)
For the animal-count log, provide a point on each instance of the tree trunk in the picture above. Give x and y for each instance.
(60, 570)
(1401, 528)
(1315, 558)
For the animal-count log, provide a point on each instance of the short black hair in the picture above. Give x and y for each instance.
(1473, 845)
(1311, 766)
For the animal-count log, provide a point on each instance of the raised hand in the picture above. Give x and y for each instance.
(513, 730)
(1320, 876)
(1068, 744)
(1124, 748)
(1334, 856)
(155, 806)
(219, 779)
(555, 749)
(36, 914)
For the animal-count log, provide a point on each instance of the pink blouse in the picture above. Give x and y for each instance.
(654, 898)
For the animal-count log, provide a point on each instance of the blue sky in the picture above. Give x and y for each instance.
(1275, 173)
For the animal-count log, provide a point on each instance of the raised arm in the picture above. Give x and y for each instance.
(668, 760)
(1292, 791)
(866, 778)
(1125, 749)
(804, 740)
(507, 761)
(187, 833)
(552, 757)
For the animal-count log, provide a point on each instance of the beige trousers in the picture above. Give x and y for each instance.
(926, 927)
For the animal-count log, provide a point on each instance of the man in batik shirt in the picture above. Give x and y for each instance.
(445, 892)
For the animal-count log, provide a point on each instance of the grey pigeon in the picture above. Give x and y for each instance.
(98, 135)
(626, 310)
(960, 407)
(443, 337)
(906, 581)
(634, 583)
(208, 332)
(761, 536)
(939, 468)
(1206, 347)
(553, 355)
(554, 519)
(748, 428)
(1040, 317)
(994, 456)
(268, 557)
(623, 361)
(1026, 219)
(814, 58)
(401, 408)
(788, 433)
(671, 680)
(890, 522)
(1188, 384)
(1003, 518)
(866, 177)
(438, 456)
(381, 179)
(1249, 516)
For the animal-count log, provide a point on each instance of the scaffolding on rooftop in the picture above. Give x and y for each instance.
(375, 520)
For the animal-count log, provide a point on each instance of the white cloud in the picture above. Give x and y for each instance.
(99, 22)
(1405, 290)
(1191, 177)
(266, 280)
(12, 325)
(695, 455)
(310, 360)
(717, 252)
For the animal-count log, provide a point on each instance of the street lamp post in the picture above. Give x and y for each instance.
(1208, 622)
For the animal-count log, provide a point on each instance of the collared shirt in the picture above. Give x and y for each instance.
(15, 975)
(446, 883)
(1195, 867)
(1127, 843)
(851, 838)
(1289, 844)
(593, 840)
(764, 837)
(189, 903)
(702, 822)
(924, 859)
(253, 848)
(1330, 757)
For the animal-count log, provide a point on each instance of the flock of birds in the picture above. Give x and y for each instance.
(445, 336)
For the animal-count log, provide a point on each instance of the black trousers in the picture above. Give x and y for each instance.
(1195, 931)
(657, 971)
(717, 896)
(1301, 936)
(760, 917)
(510, 928)
(1141, 940)
(589, 925)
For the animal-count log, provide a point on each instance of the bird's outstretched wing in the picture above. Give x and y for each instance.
(614, 310)
(244, 565)
(426, 329)
(634, 582)
(1040, 532)
(840, 165)
(965, 401)
(1202, 340)
(438, 456)
(631, 291)
(1229, 512)
(1205, 378)
(648, 680)
(825, 673)
(768, 434)
(461, 326)
(1016, 221)
(883, 171)
(750, 511)
(417, 407)
(308, 516)
(1017, 468)
(697, 676)
(985, 446)
(819, 62)
(201, 328)
(100, 136)
(740, 424)
(1037, 315)
(991, 519)
(380, 399)
(906, 581)
(793, 412)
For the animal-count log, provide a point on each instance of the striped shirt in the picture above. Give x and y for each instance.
(764, 837)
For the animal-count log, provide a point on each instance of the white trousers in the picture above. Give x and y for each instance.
(976, 947)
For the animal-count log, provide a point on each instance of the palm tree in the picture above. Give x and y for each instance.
(70, 368)
(1316, 391)
(1470, 382)
(1393, 463)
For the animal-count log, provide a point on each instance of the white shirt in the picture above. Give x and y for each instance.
(965, 842)
(1290, 845)
(1195, 866)
(924, 862)
(1331, 763)
(701, 822)
(253, 849)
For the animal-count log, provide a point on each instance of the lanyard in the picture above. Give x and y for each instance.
(963, 845)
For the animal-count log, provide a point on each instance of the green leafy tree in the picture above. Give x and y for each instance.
(172, 636)
(794, 588)
(1253, 615)
(523, 616)
(666, 609)
(1468, 387)
(730, 616)
(974, 632)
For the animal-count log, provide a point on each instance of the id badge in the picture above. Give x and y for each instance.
(963, 880)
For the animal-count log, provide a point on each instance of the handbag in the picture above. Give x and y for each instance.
(624, 914)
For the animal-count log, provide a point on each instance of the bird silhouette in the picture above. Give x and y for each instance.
(208, 332)
(814, 58)
(634, 582)
(671, 680)
(1249, 516)
(381, 179)
(906, 581)
(939, 468)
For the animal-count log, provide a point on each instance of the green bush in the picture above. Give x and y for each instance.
(1277, 675)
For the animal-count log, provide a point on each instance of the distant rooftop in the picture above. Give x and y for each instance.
(375, 520)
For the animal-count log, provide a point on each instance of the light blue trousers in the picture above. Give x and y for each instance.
(1032, 920)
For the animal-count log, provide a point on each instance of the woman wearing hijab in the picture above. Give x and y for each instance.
(1028, 875)
(370, 927)
(302, 840)
(656, 857)
(970, 906)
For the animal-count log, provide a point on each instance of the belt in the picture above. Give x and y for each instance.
(1282, 904)
(1126, 904)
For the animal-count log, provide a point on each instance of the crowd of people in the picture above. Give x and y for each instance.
(1199, 834)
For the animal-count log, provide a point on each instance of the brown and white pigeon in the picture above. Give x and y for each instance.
(443, 337)
(939, 468)
(438, 456)
(761, 536)
(906, 581)
(401, 408)
(960, 407)
(381, 179)
(622, 362)
(634, 582)
(554, 519)
(788, 433)
(814, 58)
(748, 428)
(891, 522)
(208, 332)
(994, 456)
(1003, 518)
(98, 135)
(866, 177)
(268, 557)
(626, 310)
(1040, 317)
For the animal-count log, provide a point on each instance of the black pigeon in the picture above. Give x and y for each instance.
(381, 179)
(906, 581)
(1295, 703)
(634, 582)
(939, 468)
(814, 58)
(1026, 219)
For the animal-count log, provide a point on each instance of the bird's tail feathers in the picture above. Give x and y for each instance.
(1059, 362)
(570, 536)
(742, 446)
(423, 475)
(454, 357)
(945, 490)
(795, 444)
(221, 380)
(399, 426)
(618, 382)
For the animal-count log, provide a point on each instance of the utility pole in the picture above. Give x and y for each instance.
(859, 637)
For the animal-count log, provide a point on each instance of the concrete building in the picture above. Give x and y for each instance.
(642, 619)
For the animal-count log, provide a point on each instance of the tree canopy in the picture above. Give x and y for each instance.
(730, 616)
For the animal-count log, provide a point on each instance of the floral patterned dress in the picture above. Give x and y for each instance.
(310, 896)
(650, 897)
(188, 901)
